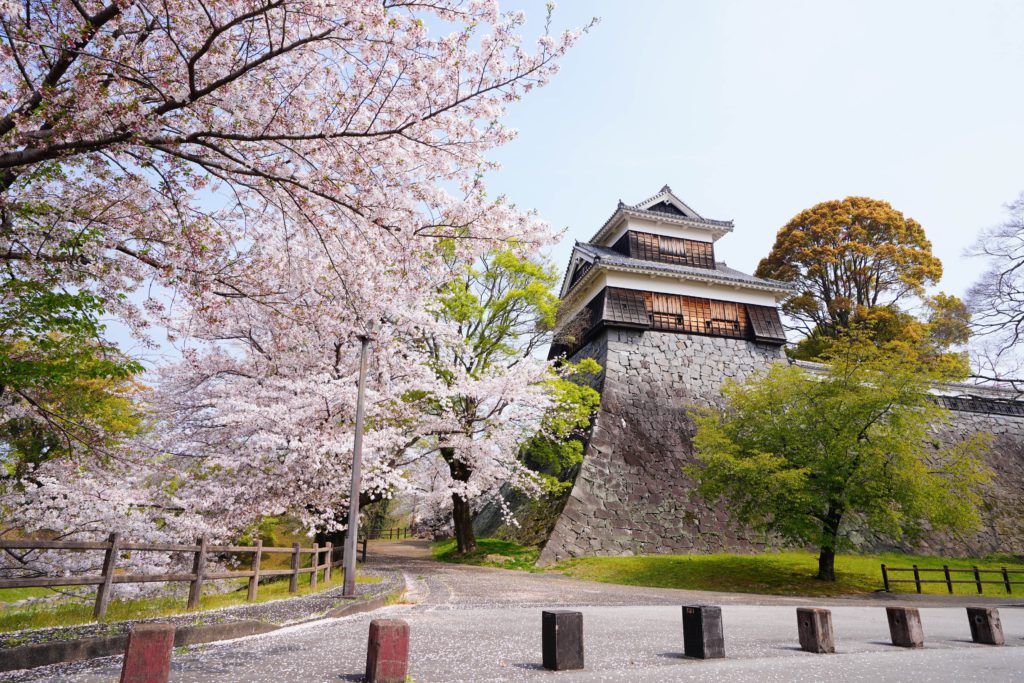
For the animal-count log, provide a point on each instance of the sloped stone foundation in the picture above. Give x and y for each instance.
(631, 496)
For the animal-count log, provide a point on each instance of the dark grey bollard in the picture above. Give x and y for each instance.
(905, 626)
(562, 639)
(985, 625)
(815, 628)
(702, 632)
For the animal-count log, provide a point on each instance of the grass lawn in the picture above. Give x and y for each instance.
(490, 552)
(77, 612)
(15, 594)
(784, 573)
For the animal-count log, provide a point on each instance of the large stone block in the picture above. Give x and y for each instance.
(703, 637)
(562, 639)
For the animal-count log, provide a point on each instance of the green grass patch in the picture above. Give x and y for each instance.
(69, 613)
(15, 594)
(784, 573)
(490, 552)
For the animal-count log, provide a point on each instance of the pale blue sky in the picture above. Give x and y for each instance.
(754, 110)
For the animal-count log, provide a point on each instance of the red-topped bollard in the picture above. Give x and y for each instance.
(147, 658)
(387, 654)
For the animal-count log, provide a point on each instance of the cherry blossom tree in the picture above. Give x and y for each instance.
(163, 141)
(285, 170)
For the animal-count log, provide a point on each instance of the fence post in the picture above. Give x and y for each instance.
(316, 566)
(103, 590)
(199, 573)
(330, 561)
(365, 540)
(977, 579)
(1006, 581)
(917, 579)
(293, 581)
(885, 578)
(949, 581)
(254, 580)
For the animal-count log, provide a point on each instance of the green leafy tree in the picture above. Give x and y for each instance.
(63, 390)
(502, 309)
(558, 447)
(813, 456)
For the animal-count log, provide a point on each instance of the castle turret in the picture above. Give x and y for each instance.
(652, 266)
(669, 325)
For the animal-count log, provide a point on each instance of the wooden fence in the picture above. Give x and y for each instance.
(113, 547)
(1003, 573)
(393, 534)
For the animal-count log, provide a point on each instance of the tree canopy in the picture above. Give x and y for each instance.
(860, 263)
(815, 456)
(848, 254)
(502, 308)
(63, 390)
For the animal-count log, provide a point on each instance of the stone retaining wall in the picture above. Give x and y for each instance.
(631, 497)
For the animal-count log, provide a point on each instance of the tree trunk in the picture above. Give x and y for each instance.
(827, 553)
(827, 563)
(462, 515)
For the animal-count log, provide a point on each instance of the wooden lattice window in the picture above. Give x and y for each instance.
(700, 254)
(724, 319)
(662, 249)
(672, 249)
(626, 307)
(766, 323)
(688, 314)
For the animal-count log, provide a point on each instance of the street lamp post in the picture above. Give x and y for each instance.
(349, 589)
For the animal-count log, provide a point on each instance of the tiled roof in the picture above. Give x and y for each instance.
(720, 227)
(721, 273)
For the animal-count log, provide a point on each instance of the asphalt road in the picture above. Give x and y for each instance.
(484, 625)
(621, 644)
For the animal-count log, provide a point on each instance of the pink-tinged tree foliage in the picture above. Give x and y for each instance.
(284, 169)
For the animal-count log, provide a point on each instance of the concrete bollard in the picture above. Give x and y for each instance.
(562, 639)
(985, 625)
(147, 657)
(905, 626)
(387, 653)
(815, 628)
(702, 632)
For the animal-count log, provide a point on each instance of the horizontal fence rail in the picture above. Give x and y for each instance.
(1004, 577)
(393, 534)
(323, 559)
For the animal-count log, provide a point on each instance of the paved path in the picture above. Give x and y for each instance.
(452, 586)
(473, 625)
